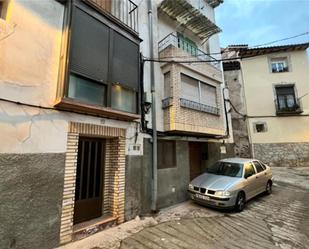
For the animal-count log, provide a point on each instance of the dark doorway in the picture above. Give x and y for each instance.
(89, 179)
(195, 159)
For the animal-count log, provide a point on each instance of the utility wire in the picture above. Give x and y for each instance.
(284, 39)
(196, 61)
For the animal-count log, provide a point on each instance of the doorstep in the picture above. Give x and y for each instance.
(87, 228)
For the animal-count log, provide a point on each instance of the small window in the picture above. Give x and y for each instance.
(249, 170)
(166, 154)
(3, 7)
(286, 99)
(260, 127)
(167, 85)
(279, 65)
(258, 166)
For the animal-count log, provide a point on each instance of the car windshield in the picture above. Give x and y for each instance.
(226, 169)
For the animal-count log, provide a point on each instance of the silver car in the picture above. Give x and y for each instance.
(231, 182)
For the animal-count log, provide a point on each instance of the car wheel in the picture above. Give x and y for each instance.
(268, 188)
(240, 202)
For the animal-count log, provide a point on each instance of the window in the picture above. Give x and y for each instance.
(3, 7)
(279, 65)
(249, 170)
(187, 45)
(197, 91)
(286, 99)
(259, 168)
(260, 127)
(167, 85)
(190, 88)
(166, 154)
(103, 64)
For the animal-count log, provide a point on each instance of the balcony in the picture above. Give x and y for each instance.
(192, 52)
(190, 17)
(124, 11)
(288, 110)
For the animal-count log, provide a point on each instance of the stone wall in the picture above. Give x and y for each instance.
(283, 154)
(31, 187)
(234, 82)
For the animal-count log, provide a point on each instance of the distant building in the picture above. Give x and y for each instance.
(269, 88)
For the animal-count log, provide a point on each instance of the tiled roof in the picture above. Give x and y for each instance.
(272, 49)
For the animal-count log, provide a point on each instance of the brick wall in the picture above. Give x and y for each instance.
(114, 178)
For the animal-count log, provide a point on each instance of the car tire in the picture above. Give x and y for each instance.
(240, 202)
(268, 190)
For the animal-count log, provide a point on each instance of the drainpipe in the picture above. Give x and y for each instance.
(153, 113)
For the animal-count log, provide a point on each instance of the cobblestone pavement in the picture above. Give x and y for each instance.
(280, 220)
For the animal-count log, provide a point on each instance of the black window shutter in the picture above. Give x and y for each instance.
(89, 46)
(125, 62)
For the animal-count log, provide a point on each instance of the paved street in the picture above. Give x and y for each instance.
(280, 220)
(277, 221)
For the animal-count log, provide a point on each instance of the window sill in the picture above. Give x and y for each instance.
(289, 113)
(69, 104)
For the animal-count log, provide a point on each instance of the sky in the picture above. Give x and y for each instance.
(256, 22)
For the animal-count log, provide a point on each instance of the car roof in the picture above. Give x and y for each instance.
(238, 160)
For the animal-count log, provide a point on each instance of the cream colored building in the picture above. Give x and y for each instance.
(270, 87)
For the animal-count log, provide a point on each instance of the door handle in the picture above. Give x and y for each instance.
(256, 177)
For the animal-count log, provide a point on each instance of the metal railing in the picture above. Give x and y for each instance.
(199, 107)
(294, 109)
(193, 51)
(124, 10)
(167, 102)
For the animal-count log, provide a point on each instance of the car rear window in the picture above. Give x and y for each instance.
(226, 169)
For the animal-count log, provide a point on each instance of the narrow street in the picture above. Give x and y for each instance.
(280, 220)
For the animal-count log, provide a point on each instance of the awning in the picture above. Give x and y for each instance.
(190, 17)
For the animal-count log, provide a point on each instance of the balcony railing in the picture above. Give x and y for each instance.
(199, 107)
(291, 110)
(124, 10)
(173, 40)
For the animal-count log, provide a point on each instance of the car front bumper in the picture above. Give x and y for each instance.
(218, 202)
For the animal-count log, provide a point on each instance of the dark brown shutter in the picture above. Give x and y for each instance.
(89, 46)
(125, 63)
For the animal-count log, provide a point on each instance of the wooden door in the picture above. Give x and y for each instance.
(89, 179)
(195, 159)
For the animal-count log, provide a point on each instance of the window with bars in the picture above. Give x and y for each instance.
(286, 99)
(103, 63)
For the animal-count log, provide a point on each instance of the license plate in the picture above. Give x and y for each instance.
(203, 197)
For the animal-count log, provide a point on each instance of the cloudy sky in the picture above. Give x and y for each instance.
(256, 22)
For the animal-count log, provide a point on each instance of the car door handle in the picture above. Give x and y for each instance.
(256, 177)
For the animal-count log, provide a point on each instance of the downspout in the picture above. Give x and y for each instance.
(153, 113)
